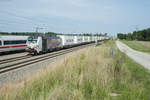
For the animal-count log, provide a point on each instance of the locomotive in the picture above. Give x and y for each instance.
(41, 44)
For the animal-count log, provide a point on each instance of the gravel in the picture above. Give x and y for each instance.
(139, 57)
(2, 57)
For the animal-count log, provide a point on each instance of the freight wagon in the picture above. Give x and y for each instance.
(67, 41)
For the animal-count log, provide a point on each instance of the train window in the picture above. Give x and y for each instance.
(6, 42)
(0, 43)
(20, 42)
(14, 42)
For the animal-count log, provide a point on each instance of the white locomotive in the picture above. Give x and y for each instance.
(42, 44)
(12, 43)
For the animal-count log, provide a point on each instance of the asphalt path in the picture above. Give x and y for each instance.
(140, 57)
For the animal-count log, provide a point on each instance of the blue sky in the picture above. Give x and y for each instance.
(68, 16)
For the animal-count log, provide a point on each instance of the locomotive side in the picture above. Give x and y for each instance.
(12, 43)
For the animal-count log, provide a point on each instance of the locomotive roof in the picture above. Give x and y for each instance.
(51, 37)
(13, 37)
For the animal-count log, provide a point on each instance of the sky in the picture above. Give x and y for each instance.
(74, 16)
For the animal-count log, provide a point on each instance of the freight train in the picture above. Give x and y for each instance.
(12, 43)
(41, 44)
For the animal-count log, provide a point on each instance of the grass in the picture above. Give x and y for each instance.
(89, 74)
(138, 45)
(141, 75)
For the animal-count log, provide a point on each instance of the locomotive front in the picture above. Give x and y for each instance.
(34, 45)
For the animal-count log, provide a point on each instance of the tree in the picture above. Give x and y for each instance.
(121, 36)
(148, 34)
(142, 35)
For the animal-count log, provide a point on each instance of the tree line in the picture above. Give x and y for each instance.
(141, 35)
(49, 34)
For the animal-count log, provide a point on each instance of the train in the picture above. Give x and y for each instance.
(12, 43)
(43, 44)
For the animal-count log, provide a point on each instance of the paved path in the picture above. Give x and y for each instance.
(139, 57)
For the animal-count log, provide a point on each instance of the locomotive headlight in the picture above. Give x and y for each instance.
(36, 46)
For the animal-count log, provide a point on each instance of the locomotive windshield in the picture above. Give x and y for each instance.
(32, 40)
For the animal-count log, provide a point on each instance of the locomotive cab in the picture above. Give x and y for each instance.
(34, 45)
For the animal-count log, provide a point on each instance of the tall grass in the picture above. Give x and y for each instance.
(89, 74)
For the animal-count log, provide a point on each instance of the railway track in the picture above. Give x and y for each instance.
(14, 59)
(21, 64)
